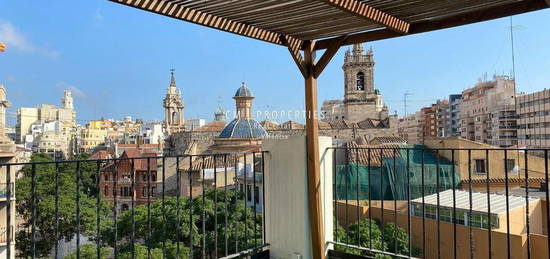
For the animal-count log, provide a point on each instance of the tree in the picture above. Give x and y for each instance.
(89, 251)
(366, 233)
(141, 252)
(45, 180)
(243, 229)
(396, 237)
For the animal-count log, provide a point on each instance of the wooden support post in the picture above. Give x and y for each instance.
(313, 166)
(311, 71)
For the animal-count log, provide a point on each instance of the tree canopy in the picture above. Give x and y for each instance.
(45, 197)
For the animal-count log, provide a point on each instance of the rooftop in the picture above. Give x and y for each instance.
(498, 201)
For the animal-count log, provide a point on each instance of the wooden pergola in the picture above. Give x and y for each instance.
(305, 26)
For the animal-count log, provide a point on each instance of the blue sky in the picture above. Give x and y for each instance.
(116, 60)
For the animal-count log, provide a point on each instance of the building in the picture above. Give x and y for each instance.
(52, 143)
(191, 124)
(152, 133)
(503, 129)
(454, 115)
(361, 99)
(116, 178)
(428, 122)
(173, 108)
(478, 105)
(45, 113)
(443, 117)
(7, 189)
(243, 133)
(92, 138)
(533, 111)
(100, 124)
(410, 128)
(492, 167)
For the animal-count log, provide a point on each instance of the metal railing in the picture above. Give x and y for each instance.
(171, 207)
(4, 190)
(406, 201)
(6, 235)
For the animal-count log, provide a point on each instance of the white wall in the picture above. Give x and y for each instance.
(287, 218)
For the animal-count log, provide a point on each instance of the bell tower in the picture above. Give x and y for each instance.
(173, 107)
(358, 74)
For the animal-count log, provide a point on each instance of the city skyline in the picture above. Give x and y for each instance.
(39, 64)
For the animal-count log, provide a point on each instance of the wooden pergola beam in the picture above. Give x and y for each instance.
(448, 22)
(294, 47)
(174, 10)
(371, 14)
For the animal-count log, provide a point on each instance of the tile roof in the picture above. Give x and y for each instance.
(292, 125)
(388, 140)
(140, 164)
(270, 125)
(217, 161)
(210, 163)
(243, 128)
(359, 154)
(212, 126)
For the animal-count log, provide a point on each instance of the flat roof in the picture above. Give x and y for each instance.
(479, 204)
(291, 22)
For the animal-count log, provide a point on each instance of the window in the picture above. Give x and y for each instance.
(152, 191)
(256, 194)
(153, 177)
(106, 176)
(175, 117)
(106, 191)
(480, 166)
(360, 80)
(144, 192)
(510, 164)
(248, 192)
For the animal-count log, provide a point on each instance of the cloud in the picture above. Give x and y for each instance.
(75, 90)
(15, 39)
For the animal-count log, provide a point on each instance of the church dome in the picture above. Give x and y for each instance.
(244, 91)
(243, 128)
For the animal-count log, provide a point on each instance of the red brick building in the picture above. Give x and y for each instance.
(116, 178)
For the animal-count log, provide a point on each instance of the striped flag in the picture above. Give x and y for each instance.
(2, 47)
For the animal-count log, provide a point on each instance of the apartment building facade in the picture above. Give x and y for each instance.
(443, 117)
(483, 101)
(428, 122)
(453, 128)
(409, 128)
(533, 112)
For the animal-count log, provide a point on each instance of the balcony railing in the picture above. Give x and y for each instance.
(4, 192)
(414, 202)
(6, 235)
(193, 210)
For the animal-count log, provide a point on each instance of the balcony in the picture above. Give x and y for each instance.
(6, 237)
(387, 200)
(4, 191)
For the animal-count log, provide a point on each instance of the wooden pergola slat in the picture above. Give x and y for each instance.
(173, 10)
(447, 22)
(371, 14)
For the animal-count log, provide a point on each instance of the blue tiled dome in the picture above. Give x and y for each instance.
(243, 128)
(244, 91)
